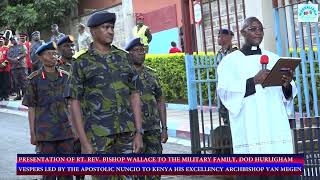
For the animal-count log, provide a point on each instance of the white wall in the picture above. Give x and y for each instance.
(262, 9)
(123, 26)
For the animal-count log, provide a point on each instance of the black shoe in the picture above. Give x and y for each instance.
(6, 99)
(17, 98)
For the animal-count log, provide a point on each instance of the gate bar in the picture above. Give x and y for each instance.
(295, 54)
(212, 31)
(192, 102)
(304, 70)
(311, 63)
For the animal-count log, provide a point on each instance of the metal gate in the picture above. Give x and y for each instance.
(296, 39)
(208, 134)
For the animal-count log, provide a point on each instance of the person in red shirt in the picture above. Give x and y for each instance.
(174, 48)
(4, 71)
(23, 40)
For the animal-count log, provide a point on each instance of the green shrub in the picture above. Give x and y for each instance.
(170, 68)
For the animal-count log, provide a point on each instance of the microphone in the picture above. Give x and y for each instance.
(264, 60)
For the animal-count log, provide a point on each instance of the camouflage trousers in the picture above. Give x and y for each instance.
(151, 145)
(56, 147)
(19, 76)
(152, 142)
(113, 144)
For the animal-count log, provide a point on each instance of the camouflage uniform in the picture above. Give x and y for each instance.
(151, 92)
(52, 127)
(65, 66)
(18, 67)
(221, 54)
(44, 93)
(103, 84)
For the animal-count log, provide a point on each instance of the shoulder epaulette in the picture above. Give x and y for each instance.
(63, 71)
(119, 49)
(79, 53)
(33, 74)
(151, 69)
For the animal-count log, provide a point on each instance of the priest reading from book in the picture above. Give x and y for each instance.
(258, 116)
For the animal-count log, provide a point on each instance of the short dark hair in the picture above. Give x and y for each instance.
(173, 44)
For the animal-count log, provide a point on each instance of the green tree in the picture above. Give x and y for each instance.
(13, 18)
(28, 15)
(53, 11)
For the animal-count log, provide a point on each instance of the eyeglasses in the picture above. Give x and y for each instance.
(256, 29)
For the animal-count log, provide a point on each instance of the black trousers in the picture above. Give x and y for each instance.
(4, 84)
(19, 79)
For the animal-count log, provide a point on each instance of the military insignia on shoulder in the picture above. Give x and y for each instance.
(61, 71)
(151, 69)
(33, 74)
(79, 53)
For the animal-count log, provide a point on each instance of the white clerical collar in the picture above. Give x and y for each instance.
(254, 48)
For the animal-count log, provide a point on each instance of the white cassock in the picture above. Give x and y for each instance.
(259, 122)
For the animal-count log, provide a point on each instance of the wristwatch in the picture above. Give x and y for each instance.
(141, 131)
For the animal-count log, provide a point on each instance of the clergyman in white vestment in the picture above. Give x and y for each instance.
(258, 116)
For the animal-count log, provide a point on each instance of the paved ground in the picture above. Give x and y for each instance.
(15, 132)
(178, 119)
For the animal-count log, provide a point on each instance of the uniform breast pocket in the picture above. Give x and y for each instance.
(44, 96)
(95, 78)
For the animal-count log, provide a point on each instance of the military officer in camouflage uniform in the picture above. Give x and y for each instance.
(66, 49)
(153, 103)
(225, 41)
(50, 128)
(106, 89)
